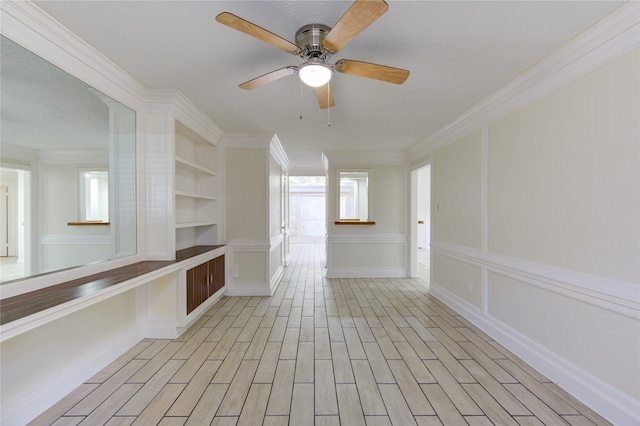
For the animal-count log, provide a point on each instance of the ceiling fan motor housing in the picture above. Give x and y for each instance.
(309, 40)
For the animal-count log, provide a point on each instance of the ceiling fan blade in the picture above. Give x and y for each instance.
(325, 96)
(375, 71)
(268, 78)
(359, 16)
(237, 23)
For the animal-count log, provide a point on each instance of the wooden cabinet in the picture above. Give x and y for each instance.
(203, 281)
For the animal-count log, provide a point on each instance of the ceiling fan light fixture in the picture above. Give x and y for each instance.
(315, 73)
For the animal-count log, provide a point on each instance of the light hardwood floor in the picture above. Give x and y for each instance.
(325, 352)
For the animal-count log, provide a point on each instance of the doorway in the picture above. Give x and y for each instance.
(421, 223)
(14, 185)
(307, 198)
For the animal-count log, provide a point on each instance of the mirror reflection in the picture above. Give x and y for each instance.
(67, 169)
(353, 204)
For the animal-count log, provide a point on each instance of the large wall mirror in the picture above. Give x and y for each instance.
(67, 170)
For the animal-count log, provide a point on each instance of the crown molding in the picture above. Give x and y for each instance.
(247, 140)
(612, 37)
(278, 153)
(31, 27)
(185, 111)
(26, 24)
(365, 158)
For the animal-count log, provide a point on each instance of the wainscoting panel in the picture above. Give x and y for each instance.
(367, 256)
(573, 328)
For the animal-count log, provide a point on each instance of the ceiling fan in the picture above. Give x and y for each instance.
(315, 43)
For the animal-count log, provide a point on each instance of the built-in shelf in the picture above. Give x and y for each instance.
(194, 195)
(194, 224)
(193, 167)
(196, 188)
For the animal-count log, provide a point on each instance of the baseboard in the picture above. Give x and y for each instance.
(367, 272)
(275, 280)
(23, 408)
(256, 289)
(248, 290)
(609, 402)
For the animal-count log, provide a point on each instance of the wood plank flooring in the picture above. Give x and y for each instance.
(324, 352)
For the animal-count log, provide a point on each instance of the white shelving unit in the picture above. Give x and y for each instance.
(196, 189)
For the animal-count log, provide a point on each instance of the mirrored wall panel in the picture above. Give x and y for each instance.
(67, 170)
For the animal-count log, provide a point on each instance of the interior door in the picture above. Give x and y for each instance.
(285, 219)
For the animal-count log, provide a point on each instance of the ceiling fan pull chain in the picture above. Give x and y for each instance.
(328, 105)
(300, 99)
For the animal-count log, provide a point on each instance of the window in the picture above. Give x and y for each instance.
(353, 196)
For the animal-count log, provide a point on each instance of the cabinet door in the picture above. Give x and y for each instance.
(216, 273)
(197, 286)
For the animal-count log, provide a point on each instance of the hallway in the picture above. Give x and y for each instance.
(324, 352)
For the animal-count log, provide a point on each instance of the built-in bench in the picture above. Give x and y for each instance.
(25, 311)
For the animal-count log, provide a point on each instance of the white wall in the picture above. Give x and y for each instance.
(246, 228)
(456, 193)
(40, 366)
(563, 176)
(378, 250)
(253, 166)
(536, 233)
(245, 194)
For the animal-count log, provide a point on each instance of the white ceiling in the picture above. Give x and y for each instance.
(458, 52)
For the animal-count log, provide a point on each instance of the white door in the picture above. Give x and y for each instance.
(284, 193)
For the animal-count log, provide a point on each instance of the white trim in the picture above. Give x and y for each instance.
(612, 37)
(366, 272)
(186, 112)
(246, 140)
(159, 184)
(610, 402)
(63, 240)
(349, 158)
(278, 153)
(25, 407)
(276, 240)
(616, 296)
(28, 25)
(275, 280)
(367, 239)
(262, 290)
